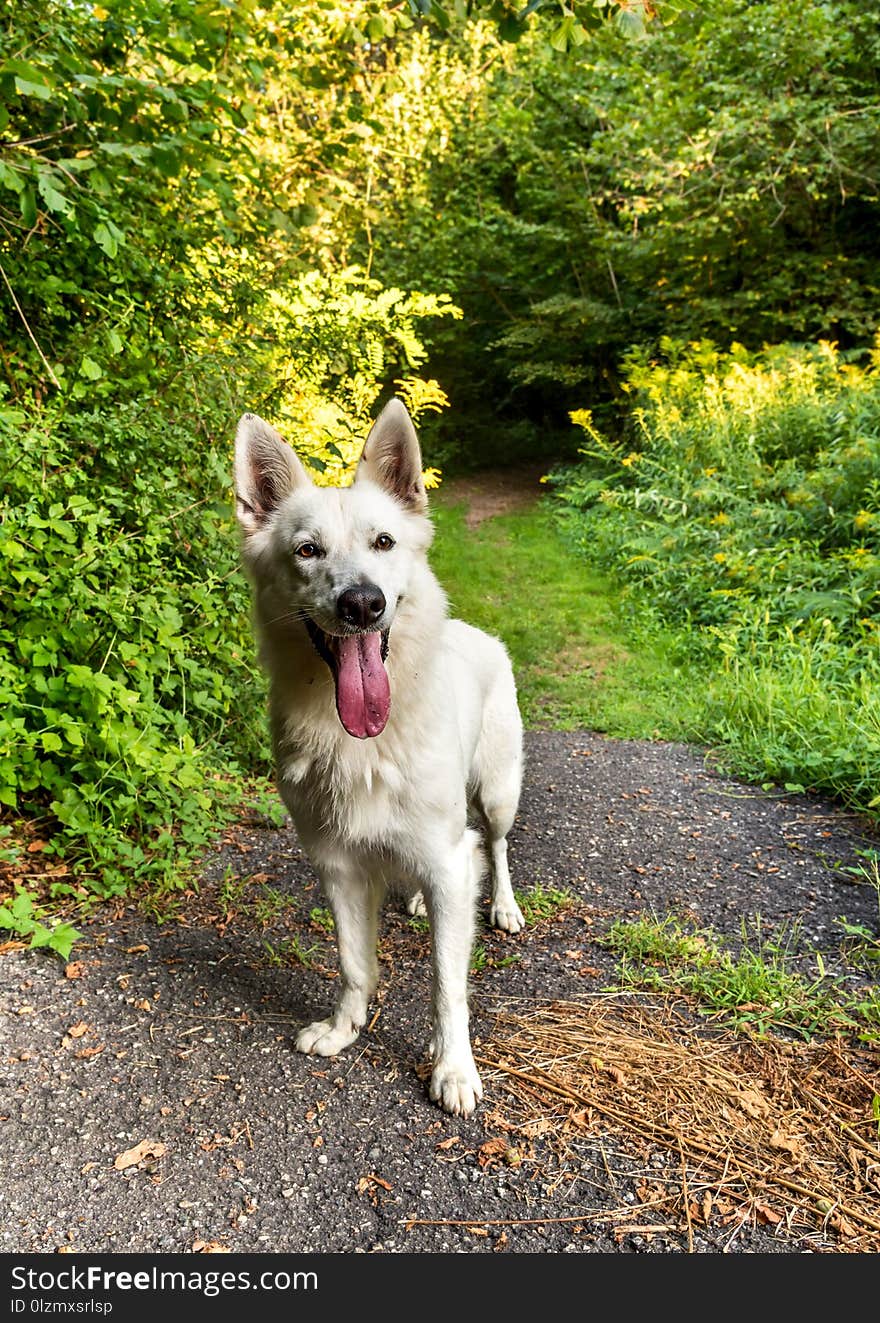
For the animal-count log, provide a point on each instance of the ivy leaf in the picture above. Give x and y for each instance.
(54, 199)
(62, 938)
(11, 178)
(22, 907)
(105, 239)
(29, 81)
(28, 207)
(24, 88)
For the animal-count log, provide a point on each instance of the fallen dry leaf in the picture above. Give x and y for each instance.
(448, 1143)
(90, 1051)
(77, 1030)
(146, 1150)
(75, 969)
(134, 950)
(142, 1005)
(366, 1182)
(36, 846)
(367, 1185)
(491, 1151)
(752, 1103)
(767, 1214)
(541, 1125)
(787, 1142)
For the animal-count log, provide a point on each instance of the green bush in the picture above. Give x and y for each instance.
(744, 504)
(128, 687)
(123, 645)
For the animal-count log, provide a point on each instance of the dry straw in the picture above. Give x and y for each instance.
(779, 1131)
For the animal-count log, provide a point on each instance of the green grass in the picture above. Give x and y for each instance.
(861, 944)
(270, 905)
(481, 960)
(804, 711)
(758, 985)
(292, 951)
(576, 662)
(323, 919)
(543, 903)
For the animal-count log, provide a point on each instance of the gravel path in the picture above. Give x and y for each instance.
(181, 1033)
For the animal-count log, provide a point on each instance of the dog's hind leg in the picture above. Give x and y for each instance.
(504, 912)
(415, 906)
(354, 900)
(497, 778)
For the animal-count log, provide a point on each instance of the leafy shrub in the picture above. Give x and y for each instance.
(123, 638)
(23, 918)
(744, 502)
(128, 688)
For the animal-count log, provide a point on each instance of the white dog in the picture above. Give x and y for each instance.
(389, 721)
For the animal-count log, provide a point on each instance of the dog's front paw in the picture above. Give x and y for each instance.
(416, 906)
(456, 1087)
(324, 1038)
(507, 916)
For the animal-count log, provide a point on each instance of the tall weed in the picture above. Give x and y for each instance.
(744, 505)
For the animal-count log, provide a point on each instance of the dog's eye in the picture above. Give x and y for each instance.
(308, 550)
(384, 542)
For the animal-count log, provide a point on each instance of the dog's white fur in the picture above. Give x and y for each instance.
(393, 809)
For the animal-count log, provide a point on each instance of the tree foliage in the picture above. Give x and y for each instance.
(717, 177)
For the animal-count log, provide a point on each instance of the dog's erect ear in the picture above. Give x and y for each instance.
(266, 470)
(391, 457)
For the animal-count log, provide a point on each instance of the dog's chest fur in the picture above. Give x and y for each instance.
(370, 792)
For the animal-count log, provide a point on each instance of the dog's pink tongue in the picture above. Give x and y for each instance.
(363, 695)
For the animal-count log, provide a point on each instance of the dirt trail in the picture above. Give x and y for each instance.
(500, 492)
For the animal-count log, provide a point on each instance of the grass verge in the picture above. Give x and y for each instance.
(576, 662)
(760, 985)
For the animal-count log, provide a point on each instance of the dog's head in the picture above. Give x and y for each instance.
(339, 560)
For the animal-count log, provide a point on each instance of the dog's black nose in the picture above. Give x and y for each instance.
(361, 606)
